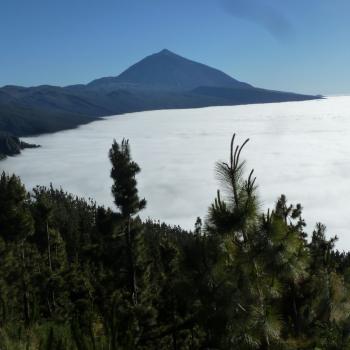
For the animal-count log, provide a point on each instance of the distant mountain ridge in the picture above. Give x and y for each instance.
(163, 80)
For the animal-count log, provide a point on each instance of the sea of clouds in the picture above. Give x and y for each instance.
(301, 149)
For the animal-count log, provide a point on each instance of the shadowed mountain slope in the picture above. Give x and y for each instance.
(163, 80)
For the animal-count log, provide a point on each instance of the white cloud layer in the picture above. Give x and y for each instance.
(301, 149)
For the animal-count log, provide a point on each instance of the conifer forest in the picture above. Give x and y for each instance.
(78, 276)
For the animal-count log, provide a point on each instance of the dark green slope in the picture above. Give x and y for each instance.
(22, 121)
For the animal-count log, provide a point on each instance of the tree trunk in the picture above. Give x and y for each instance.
(26, 308)
(48, 245)
(50, 262)
(132, 272)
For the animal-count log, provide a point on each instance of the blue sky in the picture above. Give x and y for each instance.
(295, 45)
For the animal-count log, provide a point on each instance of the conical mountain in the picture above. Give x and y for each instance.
(167, 70)
(163, 80)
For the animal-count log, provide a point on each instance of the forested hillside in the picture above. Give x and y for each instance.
(11, 145)
(78, 276)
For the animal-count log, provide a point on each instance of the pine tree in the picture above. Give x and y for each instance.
(236, 220)
(124, 190)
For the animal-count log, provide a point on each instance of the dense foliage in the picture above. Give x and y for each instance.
(78, 276)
